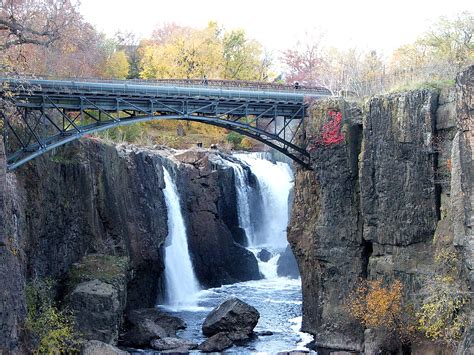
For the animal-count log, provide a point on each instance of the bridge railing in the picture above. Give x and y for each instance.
(192, 83)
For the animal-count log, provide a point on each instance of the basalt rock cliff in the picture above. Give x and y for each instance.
(388, 189)
(90, 200)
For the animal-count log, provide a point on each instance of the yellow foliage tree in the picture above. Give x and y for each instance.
(117, 66)
(376, 306)
(187, 54)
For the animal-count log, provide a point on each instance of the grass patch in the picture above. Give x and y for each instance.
(106, 268)
(418, 85)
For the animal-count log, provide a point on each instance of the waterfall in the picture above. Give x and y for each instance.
(181, 282)
(243, 205)
(275, 181)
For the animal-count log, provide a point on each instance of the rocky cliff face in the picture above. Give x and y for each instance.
(90, 197)
(12, 292)
(380, 190)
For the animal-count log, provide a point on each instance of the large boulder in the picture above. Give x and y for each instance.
(177, 344)
(264, 255)
(145, 325)
(95, 347)
(232, 316)
(287, 265)
(96, 306)
(216, 343)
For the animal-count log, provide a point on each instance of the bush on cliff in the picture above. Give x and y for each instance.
(442, 314)
(49, 330)
(375, 305)
(439, 313)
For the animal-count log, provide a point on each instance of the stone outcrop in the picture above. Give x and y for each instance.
(287, 265)
(264, 255)
(208, 188)
(145, 325)
(178, 345)
(216, 343)
(380, 202)
(105, 200)
(232, 316)
(98, 296)
(97, 311)
(95, 347)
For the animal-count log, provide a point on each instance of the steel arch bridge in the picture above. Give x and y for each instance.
(49, 113)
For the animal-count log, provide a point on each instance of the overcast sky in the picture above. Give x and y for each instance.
(277, 24)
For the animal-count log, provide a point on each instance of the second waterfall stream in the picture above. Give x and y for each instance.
(181, 283)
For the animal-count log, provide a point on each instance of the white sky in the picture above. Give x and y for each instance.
(277, 24)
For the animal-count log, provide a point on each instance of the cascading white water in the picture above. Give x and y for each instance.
(243, 205)
(276, 181)
(181, 283)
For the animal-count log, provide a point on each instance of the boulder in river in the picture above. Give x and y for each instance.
(216, 343)
(178, 344)
(145, 325)
(264, 255)
(95, 347)
(232, 316)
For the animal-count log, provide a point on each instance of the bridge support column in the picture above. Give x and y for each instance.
(12, 300)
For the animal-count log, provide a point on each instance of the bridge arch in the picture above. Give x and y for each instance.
(34, 150)
(273, 118)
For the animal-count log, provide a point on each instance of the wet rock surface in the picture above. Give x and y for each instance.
(232, 316)
(264, 255)
(95, 347)
(109, 200)
(287, 265)
(218, 342)
(146, 325)
(178, 344)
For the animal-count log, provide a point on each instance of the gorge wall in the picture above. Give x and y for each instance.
(65, 213)
(381, 200)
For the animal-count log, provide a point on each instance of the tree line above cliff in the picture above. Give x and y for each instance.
(52, 38)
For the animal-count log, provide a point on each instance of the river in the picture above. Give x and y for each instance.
(277, 299)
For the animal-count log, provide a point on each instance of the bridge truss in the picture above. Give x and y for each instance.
(48, 114)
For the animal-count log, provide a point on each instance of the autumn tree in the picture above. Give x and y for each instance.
(241, 57)
(182, 52)
(451, 40)
(49, 37)
(117, 66)
(438, 54)
(35, 22)
(189, 54)
(305, 62)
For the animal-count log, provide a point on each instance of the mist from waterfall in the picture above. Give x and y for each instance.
(181, 283)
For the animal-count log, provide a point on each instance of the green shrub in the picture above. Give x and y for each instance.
(442, 315)
(49, 329)
(234, 138)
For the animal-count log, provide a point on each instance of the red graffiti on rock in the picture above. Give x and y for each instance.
(331, 132)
